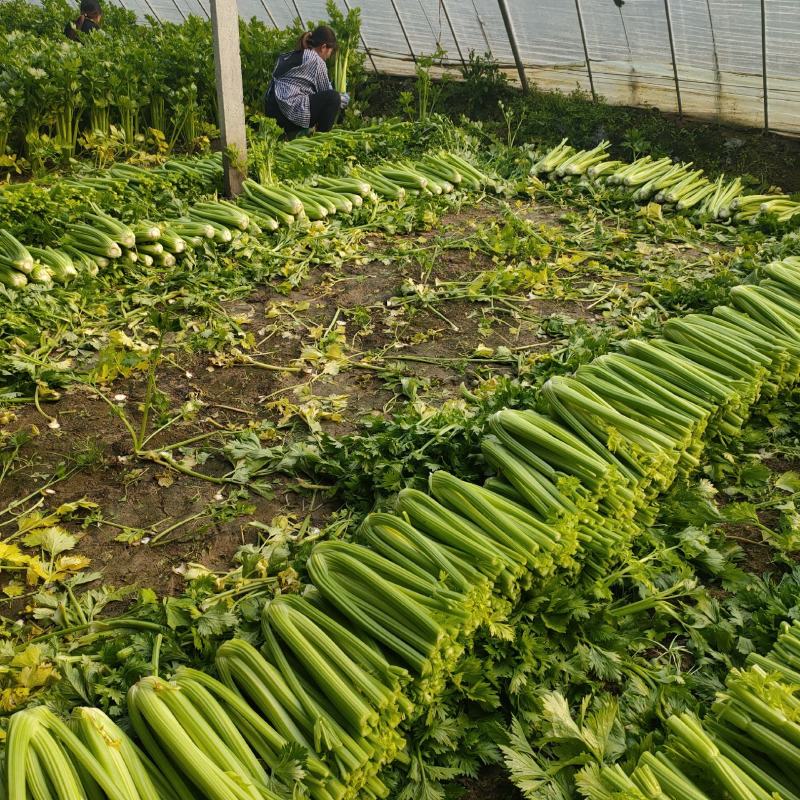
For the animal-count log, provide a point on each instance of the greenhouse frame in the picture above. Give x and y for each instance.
(733, 60)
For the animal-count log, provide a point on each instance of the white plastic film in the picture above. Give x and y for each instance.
(717, 46)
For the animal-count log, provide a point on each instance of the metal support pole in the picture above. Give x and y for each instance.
(203, 9)
(299, 15)
(452, 31)
(269, 14)
(674, 60)
(363, 41)
(585, 50)
(152, 10)
(403, 29)
(230, 96)
(483, 30)
(512, 40)
(764, 62)
(180, 11)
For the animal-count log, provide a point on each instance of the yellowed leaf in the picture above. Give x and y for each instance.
(72, 563)
(11, 554)
(69, 508)
(36, 571)
(11, 699)
(28, 657)
(39, 675)
(13, 589)
(34, 520)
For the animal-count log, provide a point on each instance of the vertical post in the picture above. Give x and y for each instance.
(452, 31)
(585, 50)
(512, 40)
(363, 41)
(674, 60)
(764, 62)
(403, 29)
(230, 96)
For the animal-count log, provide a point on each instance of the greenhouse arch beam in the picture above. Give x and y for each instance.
(512, 40)
(403, 29)
(269, 14)
(200, 5)
(668, 13)
(452, 31)
(179, 10)
(482, 26)
(153, 11)
(764, 79)
(585, 49)
(363, 42)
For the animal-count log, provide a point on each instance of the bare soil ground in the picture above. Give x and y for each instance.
(291, 375)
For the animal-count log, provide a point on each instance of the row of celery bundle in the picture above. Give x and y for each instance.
(664, 181)
(747, 748)
(376, 637)
(122, 183)
(292, 156)
(433, 174)
(626, 425)
(320, 703)
(97, 240)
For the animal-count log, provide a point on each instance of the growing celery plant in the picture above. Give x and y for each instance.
(348, 31)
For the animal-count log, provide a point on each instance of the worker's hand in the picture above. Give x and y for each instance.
(345, 99)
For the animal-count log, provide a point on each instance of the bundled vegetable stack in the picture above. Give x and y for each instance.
(195, 744)
(102, 240)
(318, 690)
(418, 622)
(664, 181)
(324, 689)
(747, 748)
(564, 160)
(16, 262)
(276, 204)
(433, 174)
(443, 564)
(597, 431)
(91, 757)
(548, 469)
(98, 240)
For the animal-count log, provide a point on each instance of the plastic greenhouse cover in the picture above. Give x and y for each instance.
(716, 45)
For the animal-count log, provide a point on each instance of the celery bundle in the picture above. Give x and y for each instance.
(417, 622)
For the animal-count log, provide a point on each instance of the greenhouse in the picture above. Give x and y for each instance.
(399, 400)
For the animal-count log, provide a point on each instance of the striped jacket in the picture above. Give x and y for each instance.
(295, 85)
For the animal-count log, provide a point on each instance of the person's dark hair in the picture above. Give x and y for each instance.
(319, 36)
(90, 8)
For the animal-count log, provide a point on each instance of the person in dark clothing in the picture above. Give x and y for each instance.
(88, 21)
(300, 95)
